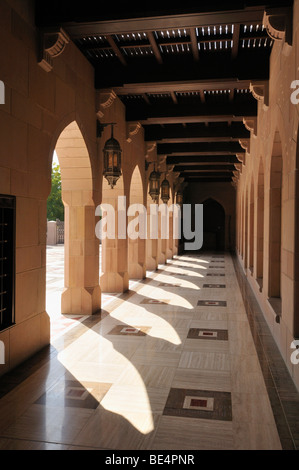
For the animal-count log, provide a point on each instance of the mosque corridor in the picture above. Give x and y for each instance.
(178, 362)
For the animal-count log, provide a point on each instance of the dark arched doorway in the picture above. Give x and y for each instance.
(213, 226)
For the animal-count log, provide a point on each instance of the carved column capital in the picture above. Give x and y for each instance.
(251, 124)
(278, 23)
(241, 157)
(149, 148)
(245, 144)
(52, 44)
(105, 99)
(260, 91)
(132, 129)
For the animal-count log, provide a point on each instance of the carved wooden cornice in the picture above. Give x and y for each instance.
(52, 45)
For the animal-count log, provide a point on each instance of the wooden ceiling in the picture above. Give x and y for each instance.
(184, 74)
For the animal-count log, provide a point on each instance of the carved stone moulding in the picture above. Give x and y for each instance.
(52, 45)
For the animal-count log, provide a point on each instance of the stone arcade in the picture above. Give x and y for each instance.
(207, 99)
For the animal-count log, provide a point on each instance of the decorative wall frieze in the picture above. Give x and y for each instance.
(260, 91)
(278, 24)
(52, 45)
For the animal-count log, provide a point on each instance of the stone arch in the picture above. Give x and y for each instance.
(137, 227)
(81, 259)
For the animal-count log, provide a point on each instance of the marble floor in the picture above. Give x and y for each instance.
(173, 364)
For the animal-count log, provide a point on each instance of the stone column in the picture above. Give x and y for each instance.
(82, 294)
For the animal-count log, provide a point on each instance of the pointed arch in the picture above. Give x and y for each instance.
(81, 254)
(136, 240)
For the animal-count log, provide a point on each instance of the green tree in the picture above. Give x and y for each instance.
(55, 208)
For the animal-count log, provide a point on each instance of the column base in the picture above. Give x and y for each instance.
(114, 282)
(137, 271)
(81, 300)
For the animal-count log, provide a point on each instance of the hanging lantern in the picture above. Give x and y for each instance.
(112, 160)
(154, 185)
(165, 191)
(179, 198)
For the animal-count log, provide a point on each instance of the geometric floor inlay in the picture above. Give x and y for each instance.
(129, 330)
(203, 404)
(207, 333)
(70, 393)
(212, 303)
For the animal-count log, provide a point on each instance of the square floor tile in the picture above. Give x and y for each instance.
(205, 333)
(215, 286)
(129, 330)
(202, 404)
(212, 303)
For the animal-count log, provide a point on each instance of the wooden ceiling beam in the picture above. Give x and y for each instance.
(252, 15)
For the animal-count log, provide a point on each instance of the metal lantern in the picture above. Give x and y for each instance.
(165, 191)
(179, 198)
(154, 185)
(112, 160)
